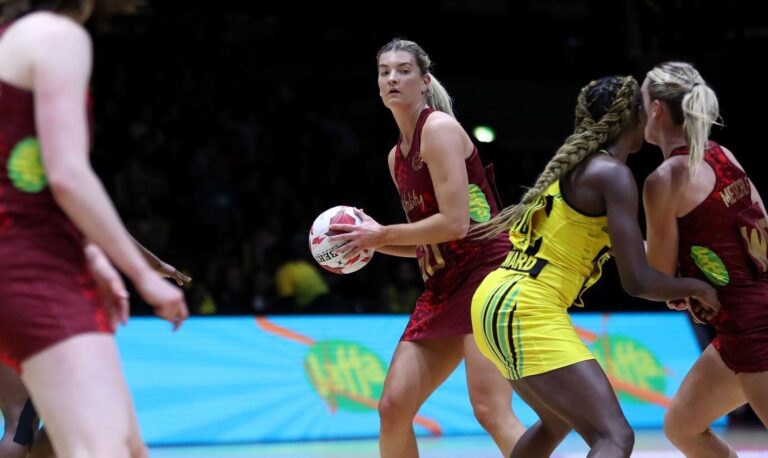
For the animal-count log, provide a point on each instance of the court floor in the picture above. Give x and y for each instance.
(751, 443)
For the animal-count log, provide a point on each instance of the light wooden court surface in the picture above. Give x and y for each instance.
(752, 443)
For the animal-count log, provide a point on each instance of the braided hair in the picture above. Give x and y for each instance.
(604, 108)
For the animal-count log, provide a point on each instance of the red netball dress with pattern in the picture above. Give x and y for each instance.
(46, 291)
(723, 241)
(451, 270)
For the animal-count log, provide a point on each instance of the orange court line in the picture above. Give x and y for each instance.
(268, 326)
(619, 385)
(645, 395)
(588, 336)
(432, 426)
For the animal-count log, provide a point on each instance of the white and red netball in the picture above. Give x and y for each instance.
(329, 254)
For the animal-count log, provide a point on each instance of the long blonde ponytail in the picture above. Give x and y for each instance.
(691, 102)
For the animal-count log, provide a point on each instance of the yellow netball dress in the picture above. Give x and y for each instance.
(519, 312)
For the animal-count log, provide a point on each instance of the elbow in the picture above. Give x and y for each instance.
(60, 185)
(459, 229)
(634, 287)
(63, 181)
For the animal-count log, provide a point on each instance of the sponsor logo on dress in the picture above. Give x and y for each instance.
(417, 162)
(25, 166)
(411, 201)
(756, 239)
(735, 191)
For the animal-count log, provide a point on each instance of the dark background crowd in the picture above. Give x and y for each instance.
(223, 131)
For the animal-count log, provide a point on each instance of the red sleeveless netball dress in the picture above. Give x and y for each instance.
(46, 291)
(723, 241)
(451, 270)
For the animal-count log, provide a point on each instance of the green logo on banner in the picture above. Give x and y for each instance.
(347, 375)
(633, 369)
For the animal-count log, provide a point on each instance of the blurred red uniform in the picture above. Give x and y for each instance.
(47, 293)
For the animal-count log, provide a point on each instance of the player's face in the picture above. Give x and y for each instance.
(638, 132)
(400, 80)
(651, 135)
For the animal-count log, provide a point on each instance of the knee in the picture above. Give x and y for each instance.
(486, 414)
(393, 410)
(677, 427)
(670, 428)
(624, 437)
(553, 431)
(619, 437)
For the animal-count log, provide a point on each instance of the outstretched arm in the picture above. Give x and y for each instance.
(638, 278)
(162, 267)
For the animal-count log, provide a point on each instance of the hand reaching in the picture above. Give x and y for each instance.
(699, 314)
(163, 268)
(703, 306)
(168, 271)
(167, 299)
(367, 235)
(677, 304)
(110, 284)
(706, 303)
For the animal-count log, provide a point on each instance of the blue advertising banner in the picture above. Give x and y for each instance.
(245, 379)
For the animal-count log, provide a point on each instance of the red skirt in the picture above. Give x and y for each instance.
(47, 295)
(742, 327)
(444, 309)
(748, 353)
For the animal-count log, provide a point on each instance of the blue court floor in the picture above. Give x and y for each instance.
(648, 444)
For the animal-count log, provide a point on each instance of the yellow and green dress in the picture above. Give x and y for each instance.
(520, 311)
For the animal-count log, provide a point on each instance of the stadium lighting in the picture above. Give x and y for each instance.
(484, 134)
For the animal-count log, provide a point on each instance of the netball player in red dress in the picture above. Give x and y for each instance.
(22, 437)
(443, 189)
(705, 219)
(58, 233)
